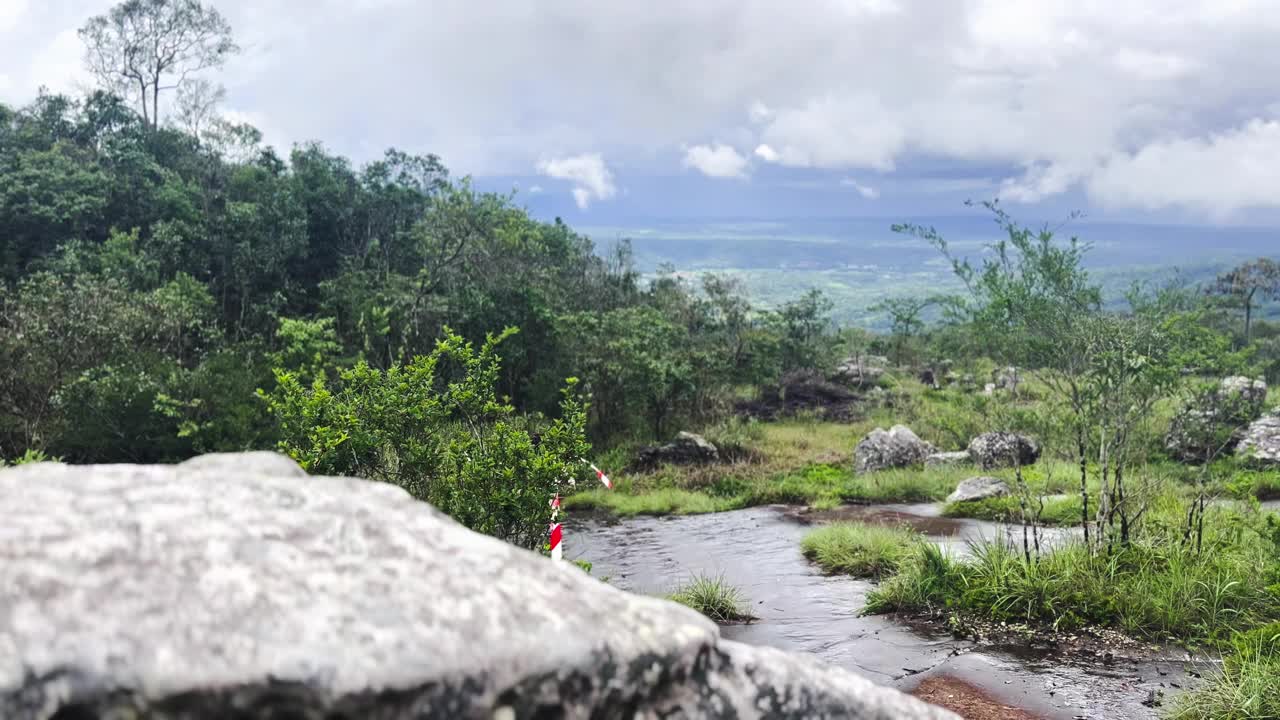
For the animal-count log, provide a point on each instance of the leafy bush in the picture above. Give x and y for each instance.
(859, 549)
(436, 428)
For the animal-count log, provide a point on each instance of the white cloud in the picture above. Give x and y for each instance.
(1041, 181)
(1218, 175)
(865, 191)
(11, 11)
(759, 112)
(59, 65)
(766, 153)
(834, 132)
(718, 161)
(1078, 93)
(591, 177)
(535, 189)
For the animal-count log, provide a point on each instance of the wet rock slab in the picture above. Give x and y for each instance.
(236, 587)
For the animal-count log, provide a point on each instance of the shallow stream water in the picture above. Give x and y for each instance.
(801, 609)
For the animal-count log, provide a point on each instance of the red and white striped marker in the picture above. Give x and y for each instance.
(557, 550)
(557, 531)
(600, 474)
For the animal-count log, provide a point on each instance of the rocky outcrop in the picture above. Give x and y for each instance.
(1003, 449)
(1260, 444)
(929, 379)
(687, 449)
(978, 488)
(1214, 422)
(1249, 392)
(232, 587)
(895, 448)
(1006, 379)
(860, 370)
(803, 392)
(947, 459)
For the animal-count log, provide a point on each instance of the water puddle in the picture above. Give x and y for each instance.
(800, 609)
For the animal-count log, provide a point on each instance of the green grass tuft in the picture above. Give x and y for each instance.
(1057, 510)
(859, 549)
(1247, 687)
(714, 597)
(1158, 587)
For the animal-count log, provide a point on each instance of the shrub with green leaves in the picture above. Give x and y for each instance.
(437, 428)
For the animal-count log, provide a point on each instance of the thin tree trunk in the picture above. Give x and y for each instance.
(1084, 481)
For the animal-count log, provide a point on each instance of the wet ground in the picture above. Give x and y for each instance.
(800, 609)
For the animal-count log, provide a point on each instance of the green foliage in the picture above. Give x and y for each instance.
(1246, 687)
(859, 549)
(714, 597)
(1007, 509)
(1159, 586)
(437, 428)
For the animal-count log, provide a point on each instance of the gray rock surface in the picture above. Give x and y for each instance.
(1261, 442)
(232, 586)
(947, 459)
(895, 448)
(1003, 449)
(978, 488)
(1251, 392)
(1215, 422)
(687, 449)
(860, 370)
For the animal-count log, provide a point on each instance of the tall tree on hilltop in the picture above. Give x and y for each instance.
(140, 48)
(1245, 285)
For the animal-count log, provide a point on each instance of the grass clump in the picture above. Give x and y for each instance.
(714, 597)
(1248, 686)
(1158, 587)
(1056, 511)
(859, 549)
(906, 485)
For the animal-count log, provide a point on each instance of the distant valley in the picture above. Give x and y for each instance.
(860, 261)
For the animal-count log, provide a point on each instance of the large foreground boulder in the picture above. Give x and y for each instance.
(897, 447)
(687, 449)
(1213, 423)
(978, 488)
(236, 587)
(1260, 444)
(1003, 449)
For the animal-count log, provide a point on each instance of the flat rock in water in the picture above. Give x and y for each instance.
(978, 488)
(234, 586)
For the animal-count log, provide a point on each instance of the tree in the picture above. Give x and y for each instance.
(141, 48)
(905, 318)
(1246, 284)
(437, 428)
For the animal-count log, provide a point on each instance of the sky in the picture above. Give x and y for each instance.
(1134, 110)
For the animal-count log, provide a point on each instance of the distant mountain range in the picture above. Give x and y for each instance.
(859, 261)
